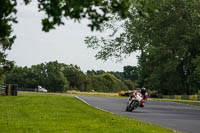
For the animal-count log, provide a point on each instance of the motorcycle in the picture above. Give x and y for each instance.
(135, 101)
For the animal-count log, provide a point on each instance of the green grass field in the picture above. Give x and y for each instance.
(48, 113)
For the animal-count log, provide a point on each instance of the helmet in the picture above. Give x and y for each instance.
(143, 89)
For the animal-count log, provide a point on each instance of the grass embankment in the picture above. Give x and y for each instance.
(40, 113)
(190, 102)
(103, 94)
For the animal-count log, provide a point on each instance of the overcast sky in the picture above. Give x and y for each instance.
(65, 43)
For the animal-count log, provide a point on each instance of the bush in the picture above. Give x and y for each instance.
(106, 83)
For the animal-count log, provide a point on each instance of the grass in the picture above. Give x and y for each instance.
(101, 94)
(190, 102)
(48, 113)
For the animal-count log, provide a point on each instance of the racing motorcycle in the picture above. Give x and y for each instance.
(135, 101)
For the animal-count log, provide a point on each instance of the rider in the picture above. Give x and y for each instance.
(141, 91)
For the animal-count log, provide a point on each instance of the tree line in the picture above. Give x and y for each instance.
(59, 77)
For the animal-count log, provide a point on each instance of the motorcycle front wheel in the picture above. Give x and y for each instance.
(130, 107)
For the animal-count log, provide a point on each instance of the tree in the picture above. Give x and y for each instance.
(168, 42)
(119, 75)
(106, 83)
(16, 76)
(7, 12)
(97, 11)
(2, 78)
(39, 73)
(100, 72)
(174, 39)
(48, 75)
(55, 79)
(130, 72)
(91, 72)
(130, 84)
(76, 77)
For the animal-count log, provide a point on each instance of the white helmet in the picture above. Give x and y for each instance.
(143, 89)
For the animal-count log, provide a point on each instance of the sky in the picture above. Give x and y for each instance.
(64, 44)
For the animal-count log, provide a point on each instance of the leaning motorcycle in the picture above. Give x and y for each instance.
(135, 101)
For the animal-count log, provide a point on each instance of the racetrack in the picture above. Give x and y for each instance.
(176, 116)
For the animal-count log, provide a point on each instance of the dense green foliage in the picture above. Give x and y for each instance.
(168, 41)
(45, 113)
(106, 83)
(59, 77)
(97, 11)
(7, 12)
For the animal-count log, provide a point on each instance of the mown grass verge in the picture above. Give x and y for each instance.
(47, 113)
(100, 94)
(190, 102)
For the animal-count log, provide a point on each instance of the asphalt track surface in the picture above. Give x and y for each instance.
(175, 116)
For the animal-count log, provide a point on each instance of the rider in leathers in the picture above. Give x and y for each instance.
(143, 92)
